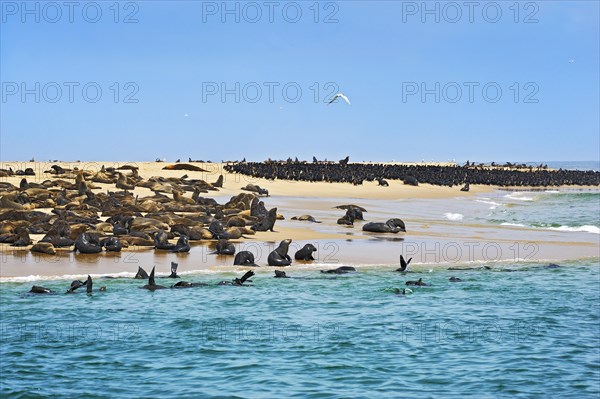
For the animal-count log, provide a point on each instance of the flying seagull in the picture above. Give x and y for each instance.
(339, 95)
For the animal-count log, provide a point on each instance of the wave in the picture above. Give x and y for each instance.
(454, 216)
(487, 201)
(586, 228)
(512, 224)
(518, 197)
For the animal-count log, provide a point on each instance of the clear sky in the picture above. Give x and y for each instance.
(222, 81)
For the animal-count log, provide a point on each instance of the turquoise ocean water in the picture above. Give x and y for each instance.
(520, 331)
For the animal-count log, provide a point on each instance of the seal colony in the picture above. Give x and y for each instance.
(506, 175)
(76, 216)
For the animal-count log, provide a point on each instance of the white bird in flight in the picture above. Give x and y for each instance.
(339, 95)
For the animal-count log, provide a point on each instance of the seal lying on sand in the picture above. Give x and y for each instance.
(305, 253)
(184, 166)
(244, 258)
(256, 189)
(391, 226)
(280, 257)
(87, 243)
(305, 218)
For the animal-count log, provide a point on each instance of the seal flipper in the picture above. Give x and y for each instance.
(151, 281)
(403, 264)
(88, 285)
(245, 277)
(141, 274)
(174, 270)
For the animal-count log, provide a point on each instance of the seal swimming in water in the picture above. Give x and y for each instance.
(280, 257)
(87, 243)
(340, 270)
(36, 289)
(152, 286)
(244, 258)
(141, 274)
(174, 270)
(419, 283)
(391, 226)
(239, 281)
(186, 284)
(74, 285)
(403, 264)
(267, 223)
(224, 247)
(183, 245)
(454, 279)
(306, 253)
(280, 274)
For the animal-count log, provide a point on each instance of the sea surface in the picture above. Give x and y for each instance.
(516, 331)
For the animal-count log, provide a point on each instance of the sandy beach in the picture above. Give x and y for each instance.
(432, 239)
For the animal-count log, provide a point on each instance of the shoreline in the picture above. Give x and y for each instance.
(422, 208)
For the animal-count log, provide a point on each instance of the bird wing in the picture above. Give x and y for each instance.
(344, 97)
(333, 99)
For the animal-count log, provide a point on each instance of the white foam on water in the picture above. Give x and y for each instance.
(453, 216)
(519, 197)
(512, 224)
(586, 228)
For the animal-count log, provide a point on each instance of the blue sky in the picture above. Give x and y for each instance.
(172, 60)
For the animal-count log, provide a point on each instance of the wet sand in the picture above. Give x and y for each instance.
(431, 239)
